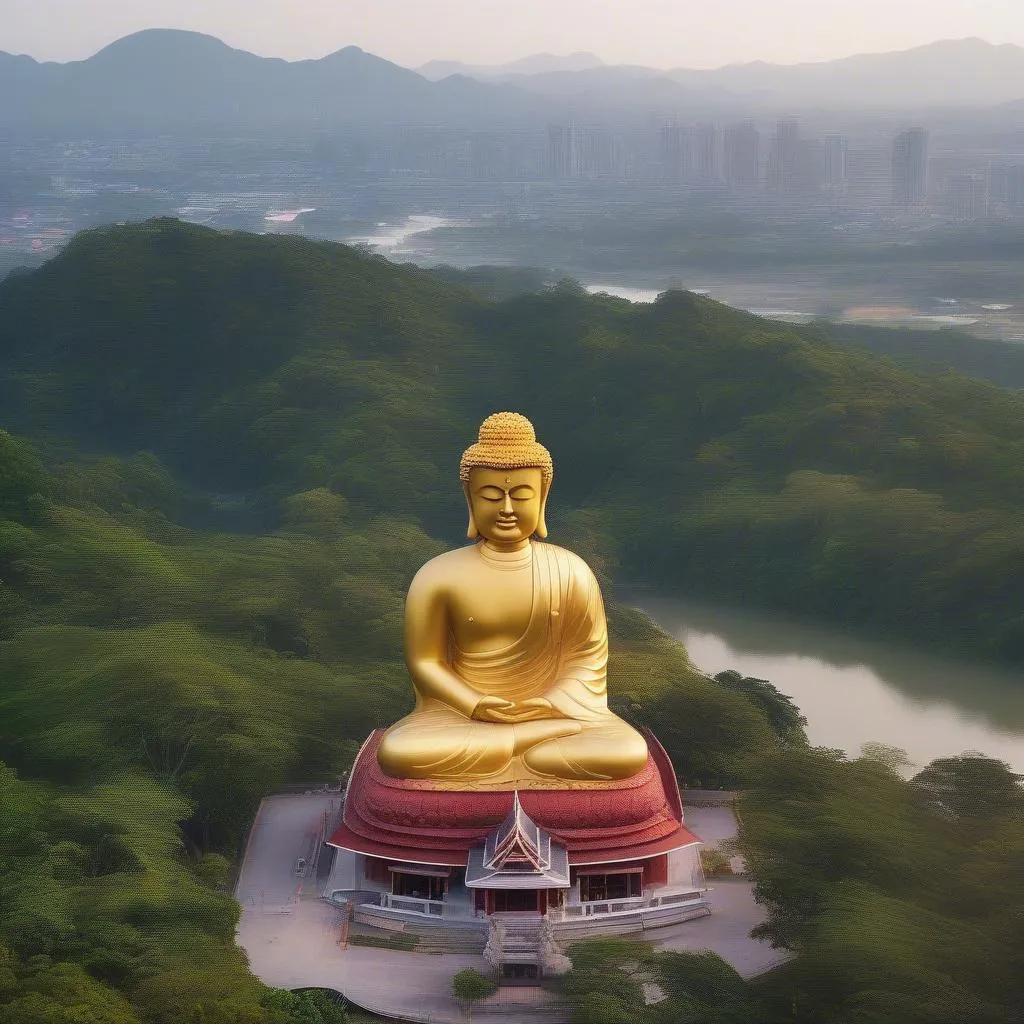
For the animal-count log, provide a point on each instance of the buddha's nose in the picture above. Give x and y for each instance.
(506, 505)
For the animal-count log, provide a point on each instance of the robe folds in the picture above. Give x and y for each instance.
(562, 656)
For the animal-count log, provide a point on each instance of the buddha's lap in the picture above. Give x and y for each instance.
(436, 736)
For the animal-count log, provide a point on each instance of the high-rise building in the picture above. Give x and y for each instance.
(575, 152)
(1006, 186)
(690, 153)
(811, 166)
(910, 167)
(564, 151)
(785, 158)
(999, 182)
(741, 155)
(869, 174)
(968, 196)
(835, 161)
(672, 152)
(1015, 187)
(700, 153)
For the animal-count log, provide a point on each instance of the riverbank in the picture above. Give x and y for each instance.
(854, 690)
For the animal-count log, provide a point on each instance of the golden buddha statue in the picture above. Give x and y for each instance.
(507, 643)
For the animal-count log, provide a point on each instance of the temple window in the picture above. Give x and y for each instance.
(418, 886)
(617, 886)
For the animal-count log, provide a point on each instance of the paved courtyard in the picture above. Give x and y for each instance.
(734, 912)
(714, 825)
(292, 937)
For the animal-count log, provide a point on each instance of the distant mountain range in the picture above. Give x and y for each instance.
(950, 73)
(168, 81)
(537, 64)
(953, 73)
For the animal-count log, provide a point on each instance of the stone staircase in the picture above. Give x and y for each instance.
(451, 940)
(518, 938)
(431, 937)
(524, 1003)
(521, 942)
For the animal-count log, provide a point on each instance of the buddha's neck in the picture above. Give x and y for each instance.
(506, 557)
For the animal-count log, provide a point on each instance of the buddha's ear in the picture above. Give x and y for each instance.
(471, 531)
(542, 526)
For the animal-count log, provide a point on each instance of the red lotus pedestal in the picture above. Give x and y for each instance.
(416, 821)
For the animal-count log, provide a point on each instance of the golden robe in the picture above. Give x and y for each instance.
(561, 656)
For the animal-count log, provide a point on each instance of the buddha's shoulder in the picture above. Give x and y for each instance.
(442, 568)
(569, 558)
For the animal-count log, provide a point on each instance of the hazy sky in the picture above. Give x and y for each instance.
(660, 33)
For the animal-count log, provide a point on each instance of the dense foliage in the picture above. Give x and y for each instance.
(708, 449)
(901, 899)
(104, 920)
(939, 351)
(143, 741)
(617, 981)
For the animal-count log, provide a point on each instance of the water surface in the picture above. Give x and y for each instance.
(391, 239)
(854, 690)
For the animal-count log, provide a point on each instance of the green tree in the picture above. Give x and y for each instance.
(309, 1006)
(971, 788)
(21, 475)
(783, 715)
(469, 986)
(65, 994)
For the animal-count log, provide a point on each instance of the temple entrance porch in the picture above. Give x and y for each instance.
(515, 901)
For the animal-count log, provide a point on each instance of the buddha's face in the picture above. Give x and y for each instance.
(506, 505)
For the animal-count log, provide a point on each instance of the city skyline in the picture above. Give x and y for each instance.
(654, 33)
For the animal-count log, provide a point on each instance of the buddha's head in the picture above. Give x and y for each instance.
(506, 476)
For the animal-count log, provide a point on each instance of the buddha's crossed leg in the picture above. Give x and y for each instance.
(439, 743)
(600, 751)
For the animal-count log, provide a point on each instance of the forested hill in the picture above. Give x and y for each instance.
(695, 445)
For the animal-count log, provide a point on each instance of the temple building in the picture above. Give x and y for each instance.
(615, 860)
(512, 804)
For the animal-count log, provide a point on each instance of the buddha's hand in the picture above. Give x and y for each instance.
(487, 707)
(532, 710)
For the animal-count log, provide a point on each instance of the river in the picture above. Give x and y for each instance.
(853, 690)
(398, 239)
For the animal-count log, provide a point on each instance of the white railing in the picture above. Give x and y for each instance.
(591, 907)
(626, 905)
(357, 897)
(413, 905)
(671, 898)
(455, 910)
